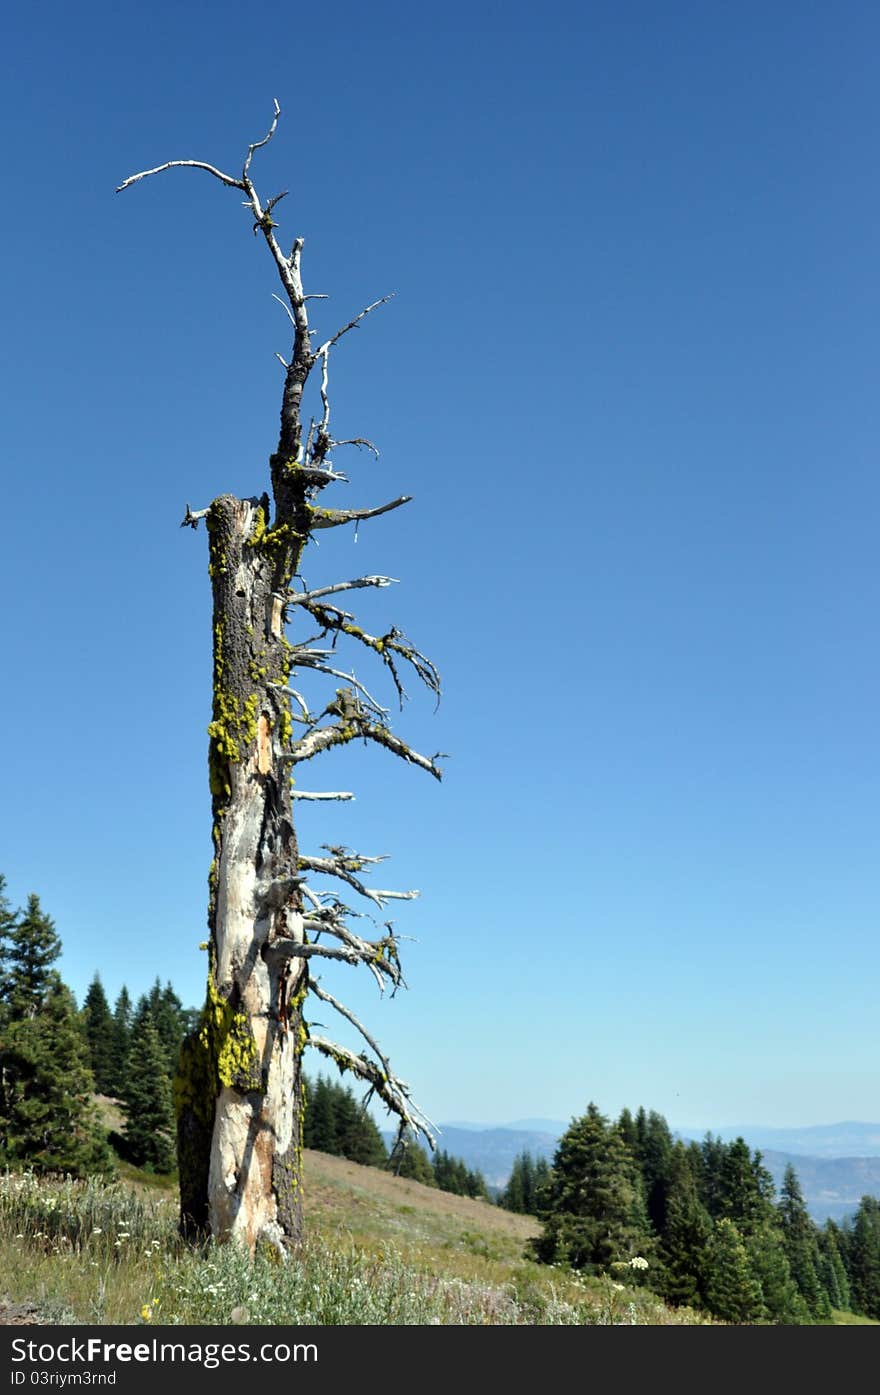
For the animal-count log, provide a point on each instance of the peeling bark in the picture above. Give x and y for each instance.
(251, 1032)
(239, 1089)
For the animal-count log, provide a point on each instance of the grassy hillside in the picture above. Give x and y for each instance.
(378, 1249)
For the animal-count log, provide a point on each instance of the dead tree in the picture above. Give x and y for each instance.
(239, 1090)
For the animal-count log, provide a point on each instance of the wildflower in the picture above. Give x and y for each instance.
(97, 1230)
(637, 1262)
(147, 1313)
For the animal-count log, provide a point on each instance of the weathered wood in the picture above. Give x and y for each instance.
(239, 1088)
(250, 1036)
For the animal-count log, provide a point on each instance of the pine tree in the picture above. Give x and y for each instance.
(122, 1017)
(833, 1273)
(100, 1035)
(320, 1118)
(595, 1209)
(7, 920)
(47, 1119)
(744, 1187)
(475, 1185)
(170, 1022)
(769, 1264)
(628, 1131)
(732, 1292)
(801, 1247)
(686, 1238)
(520, 1193)
(653, 1153)
(357, 1137)
(149, 1111)
(412, 1162)
(32, 947)
(864, 1258)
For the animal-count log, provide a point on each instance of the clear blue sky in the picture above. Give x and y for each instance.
(630, 377)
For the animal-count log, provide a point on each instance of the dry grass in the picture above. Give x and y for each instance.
(378, 1249)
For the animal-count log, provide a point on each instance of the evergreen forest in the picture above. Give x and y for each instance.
(700, 1224)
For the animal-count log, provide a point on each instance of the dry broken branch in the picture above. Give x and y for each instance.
(344, 866)
(387, 646)
(347, 1013)
(335, 518)
(352, 324)
(323, 738)
(329, 794)
(392, 1091)
(191, 517)
(360, 441)
(307, 597)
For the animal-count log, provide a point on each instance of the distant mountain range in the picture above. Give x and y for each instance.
(837, 1164)
(849, 1140)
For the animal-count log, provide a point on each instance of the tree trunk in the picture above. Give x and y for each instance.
(239, 1088)
(238, 1092)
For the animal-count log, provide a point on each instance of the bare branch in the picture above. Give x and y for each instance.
(298, 697)
(330, 794)
(339, 733)
(305, 597)
(294, 949)
(182, 164)
(344, 868)
(378, 710)
(394, 643)
(334, 518)
(358, 441)
(316, 477)
(352, 324)
(392, 1091)
(324, 355)
(191, 519)
(286, 308)
(257, 145)
(380, 956)
(349, 1016)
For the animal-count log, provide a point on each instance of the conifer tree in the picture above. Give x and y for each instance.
(652, 1150)
(518, 1194)
(320, 1117)
(475, 1185)
(783, 1302)
(32, 947)
(169, 1019)
(100, 1035)
(525, 1186)
(7, 920)
(628, 1131)
(864, 1258)
(122, 1018)
(801, 1246)
(411, 1161)
(732, 1292)
(147, 1101)
(833, 1273)
(47, 1119)
(357, 1137)
(595, 1209)
(744, 1187)
(686, 1237)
